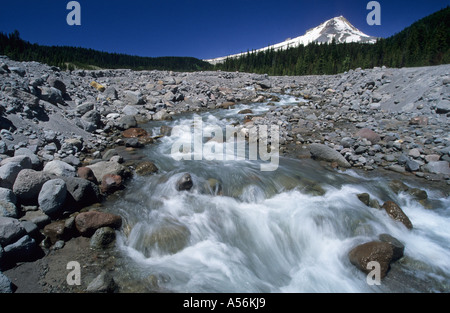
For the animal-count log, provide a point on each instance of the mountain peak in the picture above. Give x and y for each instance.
(337, 28)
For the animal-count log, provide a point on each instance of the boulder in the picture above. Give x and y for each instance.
(396, 213)
(133, 97)
(397, 247)
(146, 168)
(22, 159)
(135, 133)
(37, 217)
(85, 107)
(397, 186)
(184, 183)
(127, 121)
(8, 174)
(369, 134)
(10, 230)
(35, 161)
(103, 238)
(60, 168)
(81, 192)
(364, 198)
(88, 222)
(103, 283)
(97, 86)
(23, 250)
(86, 173)
(92, 117)
(323, 152)
(28, 184)
(6, 286)
(111, 93)
(162, 115)
(438, 167)
(57, 83)
(52, 95)
(373, 251)
(103, 168)
(52, 196)
(8, 209)
(7, 195)
(130, 110)
(111, 183)
(443, 107)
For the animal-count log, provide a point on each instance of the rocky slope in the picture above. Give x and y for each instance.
(58, 130)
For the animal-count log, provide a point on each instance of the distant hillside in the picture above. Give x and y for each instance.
(70, 58)
(424, 43)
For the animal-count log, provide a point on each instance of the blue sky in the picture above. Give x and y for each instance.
(197, 28)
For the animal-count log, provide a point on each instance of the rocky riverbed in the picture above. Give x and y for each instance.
(70, 140)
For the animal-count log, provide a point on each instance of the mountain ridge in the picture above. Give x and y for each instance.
(337, 28)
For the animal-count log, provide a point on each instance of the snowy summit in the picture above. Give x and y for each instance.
(338, 28)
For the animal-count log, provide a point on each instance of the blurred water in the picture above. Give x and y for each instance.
(243, 230)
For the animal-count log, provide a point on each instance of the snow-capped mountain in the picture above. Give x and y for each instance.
(338, 28)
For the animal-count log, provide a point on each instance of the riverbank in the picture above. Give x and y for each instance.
(387, 122)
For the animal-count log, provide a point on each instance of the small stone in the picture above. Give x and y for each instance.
(103, 238)
(185, 182)
(364, 198)
(146, 168)
(396, 213)
(412, 166)
(103, 283)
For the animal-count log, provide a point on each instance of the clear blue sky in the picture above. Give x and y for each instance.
(197, 28)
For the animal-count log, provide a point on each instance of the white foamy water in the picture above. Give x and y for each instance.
(243, 230)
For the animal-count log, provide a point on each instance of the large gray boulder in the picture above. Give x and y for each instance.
(133, 97)
(112, 167)
(325, 153)
(7, 195)
(81, 192)
(438, 167)
(35, 161)
(10, 230)
(8, 209)
(52, 196)
(24, 249)
(60, 168)
(6, 285)
(52, 95)
(28, 184)
(8, 174)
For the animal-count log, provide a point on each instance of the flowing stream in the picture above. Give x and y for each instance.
(240, 229)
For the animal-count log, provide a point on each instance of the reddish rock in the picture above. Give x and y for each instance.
(227, 105)
(135, 133)
(111, 183)
(56, 231)
(419, 120)
(369, 134)
(396, 213)
(88, 174)
(374, 251)
(88, 222)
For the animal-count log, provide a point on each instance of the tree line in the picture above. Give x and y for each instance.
(70, 58)
(424, 43)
